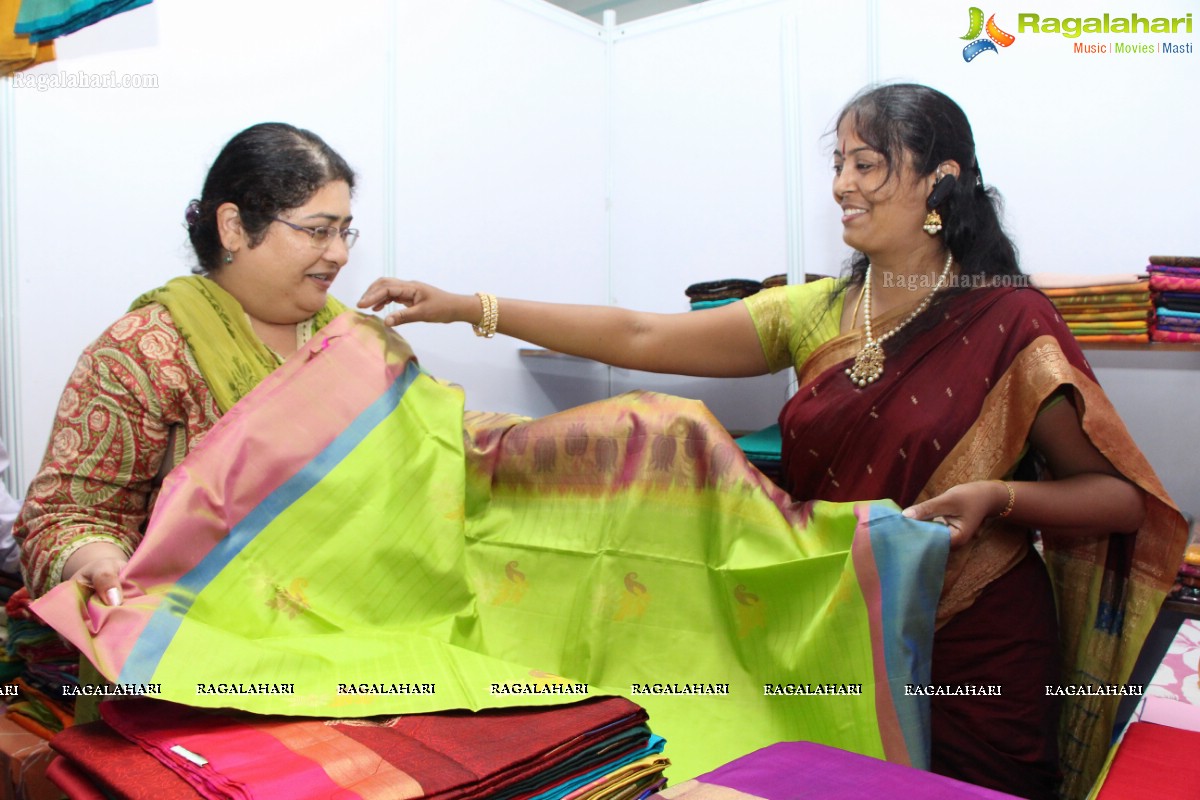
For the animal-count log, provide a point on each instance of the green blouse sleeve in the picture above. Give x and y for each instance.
(794, 320)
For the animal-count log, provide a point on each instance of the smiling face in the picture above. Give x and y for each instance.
(882, 209)
(284, 278)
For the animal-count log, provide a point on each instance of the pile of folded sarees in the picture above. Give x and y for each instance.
(37, 712)
(710, 294)
(1175, 283)
(143, 748)
(1100, 308)
(36, 652)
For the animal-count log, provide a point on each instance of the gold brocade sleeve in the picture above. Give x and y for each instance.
(794, 320)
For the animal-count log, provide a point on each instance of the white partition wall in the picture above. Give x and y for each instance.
(476, 128)
(720, 164)
(103, 175)
(500, 180)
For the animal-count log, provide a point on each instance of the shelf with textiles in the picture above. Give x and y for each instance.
(1191, 610)
(1153, 347)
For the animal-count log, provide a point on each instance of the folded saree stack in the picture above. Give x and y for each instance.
(710, 294)
(1100, 308)
(17, 52)
(1175, 283)
(43, 20)
(1187, 583)
(39, 656)
(600, 749)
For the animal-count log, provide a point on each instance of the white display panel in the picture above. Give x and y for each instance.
(475, 126)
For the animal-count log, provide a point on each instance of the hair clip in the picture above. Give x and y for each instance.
(191, 215)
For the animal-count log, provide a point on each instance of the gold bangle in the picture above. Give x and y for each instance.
(491, 315)
(1012, 498)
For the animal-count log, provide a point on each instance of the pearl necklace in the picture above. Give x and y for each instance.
(868, 364)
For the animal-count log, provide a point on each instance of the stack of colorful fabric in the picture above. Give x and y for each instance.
(43, 20)
(764, 449)
(1175, 281)
(600, 748)
(1100, 308)
(11, 664)
(47, 663)
(711, 294)
(1187, 584)
(37, 712)
(17, 52)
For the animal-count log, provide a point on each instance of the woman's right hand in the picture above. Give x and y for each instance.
(423, 303)
(716, 343)
(97, 566)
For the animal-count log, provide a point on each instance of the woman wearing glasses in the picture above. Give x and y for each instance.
(270, 231)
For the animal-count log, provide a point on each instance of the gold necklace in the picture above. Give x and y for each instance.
(868, 364)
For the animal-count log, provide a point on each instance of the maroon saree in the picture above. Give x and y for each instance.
(955, 404)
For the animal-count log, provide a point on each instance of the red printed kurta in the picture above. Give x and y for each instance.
(135, 394)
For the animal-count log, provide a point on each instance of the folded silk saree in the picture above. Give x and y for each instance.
(773, 774)
(498, 754)
(345, 544)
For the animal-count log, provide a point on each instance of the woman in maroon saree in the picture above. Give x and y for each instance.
(930, 377)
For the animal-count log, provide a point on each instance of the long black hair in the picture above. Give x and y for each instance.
(266, 169)
(908, 120)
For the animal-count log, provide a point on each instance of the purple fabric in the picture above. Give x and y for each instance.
(1163, 269)
(804, 769)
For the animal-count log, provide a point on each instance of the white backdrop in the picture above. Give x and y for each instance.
(509, 146)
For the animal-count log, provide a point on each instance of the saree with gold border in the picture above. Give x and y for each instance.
(344, 543)
(955, 404)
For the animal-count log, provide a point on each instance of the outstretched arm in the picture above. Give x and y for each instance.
(719, 342)
(1087, 497)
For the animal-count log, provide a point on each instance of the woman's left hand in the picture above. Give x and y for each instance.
(963, 508)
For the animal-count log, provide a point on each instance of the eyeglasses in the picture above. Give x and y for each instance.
(322, 235)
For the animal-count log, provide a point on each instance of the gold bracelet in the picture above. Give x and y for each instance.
(1012, 498)
(491, 315)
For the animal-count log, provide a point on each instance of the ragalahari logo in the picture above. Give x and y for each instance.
(995, 36)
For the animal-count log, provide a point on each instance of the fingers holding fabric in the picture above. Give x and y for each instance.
(97, 566)
(421, 302)
(962, 508)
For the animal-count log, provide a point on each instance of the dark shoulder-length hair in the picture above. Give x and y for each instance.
(908, 120)
(265, 170)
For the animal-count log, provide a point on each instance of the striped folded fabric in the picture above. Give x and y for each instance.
(1175, 261)
(1175, 337)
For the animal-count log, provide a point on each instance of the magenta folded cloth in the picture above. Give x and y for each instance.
(790, 770)
(1173, 283)
(1174, 337)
